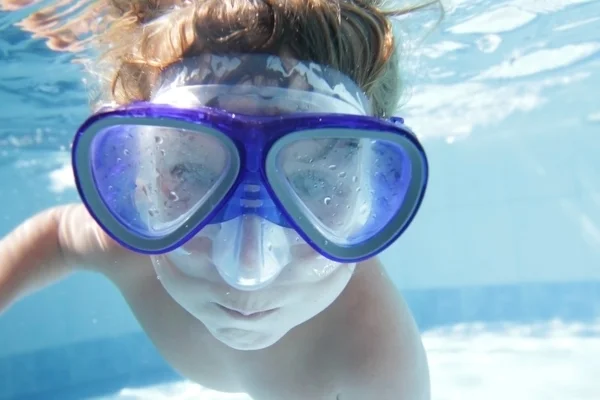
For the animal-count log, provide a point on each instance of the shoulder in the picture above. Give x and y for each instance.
(383, 356)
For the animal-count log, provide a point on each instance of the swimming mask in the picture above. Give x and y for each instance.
(237, 148)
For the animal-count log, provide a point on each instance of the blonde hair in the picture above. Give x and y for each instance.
(143, 37)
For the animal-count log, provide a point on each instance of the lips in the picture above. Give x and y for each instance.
(245, 314)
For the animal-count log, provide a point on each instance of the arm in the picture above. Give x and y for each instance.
(388, 362)
(45, 248)
(394, 377)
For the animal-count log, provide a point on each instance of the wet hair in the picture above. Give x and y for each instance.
(144, 37)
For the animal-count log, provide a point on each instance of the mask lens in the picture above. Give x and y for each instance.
(349, 189)
(153, 178)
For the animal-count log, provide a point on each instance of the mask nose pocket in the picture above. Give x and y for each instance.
(249, 252)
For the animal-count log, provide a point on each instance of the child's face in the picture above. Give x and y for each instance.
(252, 320)
(299, 283)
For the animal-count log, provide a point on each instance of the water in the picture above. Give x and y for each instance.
(500, 268)
(472, 362)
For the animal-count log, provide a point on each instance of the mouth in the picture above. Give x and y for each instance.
(246, 314)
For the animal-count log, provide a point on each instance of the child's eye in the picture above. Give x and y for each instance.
(309, 183)
(193, 174)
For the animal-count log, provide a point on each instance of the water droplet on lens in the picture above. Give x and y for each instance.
(327, 201)
(173, 196)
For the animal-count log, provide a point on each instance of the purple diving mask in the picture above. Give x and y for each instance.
(251, 149)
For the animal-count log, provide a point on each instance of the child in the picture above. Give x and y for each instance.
(248, 162)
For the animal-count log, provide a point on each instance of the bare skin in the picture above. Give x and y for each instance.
(364, 346)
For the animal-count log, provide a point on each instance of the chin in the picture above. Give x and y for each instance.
(245, 340)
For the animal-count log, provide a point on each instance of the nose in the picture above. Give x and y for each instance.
(250, 252)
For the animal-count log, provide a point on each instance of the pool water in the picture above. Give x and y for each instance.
(501, 268)
(473, 362)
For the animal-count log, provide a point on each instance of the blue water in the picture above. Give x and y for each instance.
(501, 268)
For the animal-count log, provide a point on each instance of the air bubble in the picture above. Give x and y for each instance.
(158, 140)
(162, 152)
(332, 167)
(327, 201)
(363, 208)
(126, 152)
(355, 179)
(342, 174)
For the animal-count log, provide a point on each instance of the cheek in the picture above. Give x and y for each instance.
(194, 295)
(193, 260)
(310, 299)
(198, 245)
(310, 267)
(333, 278)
